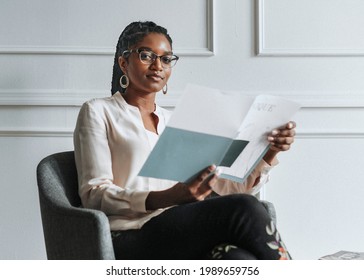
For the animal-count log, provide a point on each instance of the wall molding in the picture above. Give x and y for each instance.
(56, 50)
(59, 97)
(96, 51)
(210, 12)
(263, 50)
(68, 132)
(36, 132)
(66, 98)
(208, 50)
(47, 97)
(330, 134)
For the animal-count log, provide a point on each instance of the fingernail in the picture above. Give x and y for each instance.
(275, 132)
(270, 138)
(290, 125)
(218, 172)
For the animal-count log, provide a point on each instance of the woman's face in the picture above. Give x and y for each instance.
(147, 78)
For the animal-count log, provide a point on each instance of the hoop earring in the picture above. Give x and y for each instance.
(165, 89)
(126, 81)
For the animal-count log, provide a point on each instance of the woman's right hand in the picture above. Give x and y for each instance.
(182, 193)
(199, 188)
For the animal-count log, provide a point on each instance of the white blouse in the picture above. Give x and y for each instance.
(111, 145)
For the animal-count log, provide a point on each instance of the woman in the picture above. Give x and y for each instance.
(160, 219)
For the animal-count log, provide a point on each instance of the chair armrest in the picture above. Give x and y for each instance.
(271, 210)
(74, 233)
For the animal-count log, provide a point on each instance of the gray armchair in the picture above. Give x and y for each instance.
(70, 231)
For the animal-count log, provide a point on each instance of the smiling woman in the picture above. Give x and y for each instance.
(160, 219)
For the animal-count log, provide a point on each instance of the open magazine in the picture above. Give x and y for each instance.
(210, 126)
(344, 255)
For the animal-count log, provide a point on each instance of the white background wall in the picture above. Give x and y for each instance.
(54, 55)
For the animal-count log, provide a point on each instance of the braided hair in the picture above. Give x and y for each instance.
(132, 34)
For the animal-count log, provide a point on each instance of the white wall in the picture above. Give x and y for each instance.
(54, 55)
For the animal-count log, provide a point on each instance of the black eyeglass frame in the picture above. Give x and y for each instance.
(175, 58)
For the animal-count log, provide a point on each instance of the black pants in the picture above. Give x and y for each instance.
(193, 230)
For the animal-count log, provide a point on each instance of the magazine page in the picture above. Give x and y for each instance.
(210, 111)
(265, 114)
(200, 131)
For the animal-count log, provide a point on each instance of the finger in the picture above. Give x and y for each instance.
(209, 182)
(287, 132)
(204, 174)
(291, 125)
(283, 147)
(283, 140)
(282, 133)
(205, 189)
(288, 126)
(202, 191)
(212, 180)
(204, 195)
(280, 140)
(280, 147)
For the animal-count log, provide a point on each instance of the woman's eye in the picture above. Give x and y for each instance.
(146, 56)
(166, 59)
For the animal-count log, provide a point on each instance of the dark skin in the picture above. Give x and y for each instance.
(144, 82)
(281, 140)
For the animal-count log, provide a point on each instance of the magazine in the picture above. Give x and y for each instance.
(344, 255)
(210, 126)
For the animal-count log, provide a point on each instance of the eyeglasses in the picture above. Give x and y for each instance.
(148, 57)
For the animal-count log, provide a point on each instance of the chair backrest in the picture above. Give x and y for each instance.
(57, 179)
(70, 231)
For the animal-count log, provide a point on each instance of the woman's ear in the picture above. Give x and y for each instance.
(123, 63)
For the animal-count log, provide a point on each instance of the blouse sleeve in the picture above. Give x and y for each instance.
(94, 167)
(252, 185)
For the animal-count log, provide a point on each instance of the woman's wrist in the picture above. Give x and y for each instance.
(270, 156)
(163, 199)
(158, 199)
(178, 194)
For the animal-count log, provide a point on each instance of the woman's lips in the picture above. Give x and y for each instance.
(155, 77)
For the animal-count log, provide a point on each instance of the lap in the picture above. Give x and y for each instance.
(191, 230)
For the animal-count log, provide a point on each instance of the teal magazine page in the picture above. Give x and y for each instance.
(210, 126)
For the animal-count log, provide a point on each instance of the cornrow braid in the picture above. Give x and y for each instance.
(132, 34)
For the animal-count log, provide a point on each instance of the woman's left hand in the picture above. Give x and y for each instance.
(280, 139)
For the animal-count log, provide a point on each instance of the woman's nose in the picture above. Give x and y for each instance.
(157, 64)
